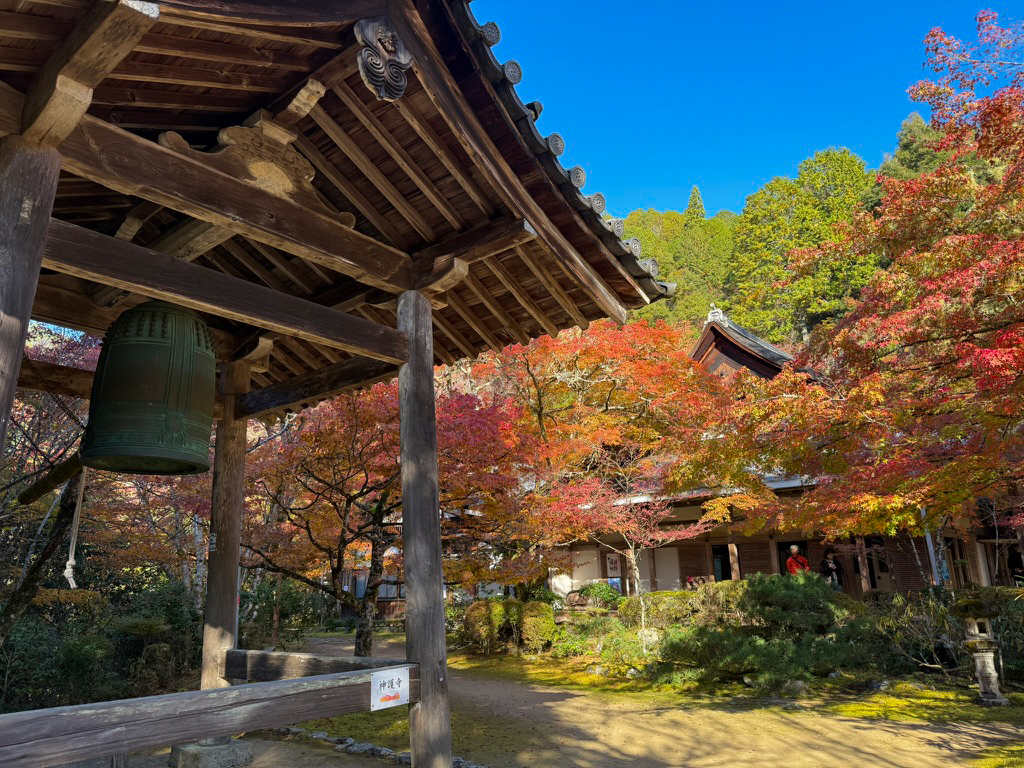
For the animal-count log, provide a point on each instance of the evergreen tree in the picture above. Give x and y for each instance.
(694, 212)
(693, 252)
(788, 215)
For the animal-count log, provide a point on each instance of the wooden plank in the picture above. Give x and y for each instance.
(133, 166)
(430, 731)
(249, 261)
(295, 35)
(48, 737)
(474, 322)
(198, 77)
(326, 382)
(223, 53)
(440, 86)
(369, 169)
(349, 190)
(515, 287)
(28, 182)
(289, 12)
(40, 376)
(510, 323)
(84, 253)
(386, 139)
(455, 167)
(62, 90)
(220, 619)
(292, 271)
(454, 334)
(488, 239)
(554, 288)
(264, 666)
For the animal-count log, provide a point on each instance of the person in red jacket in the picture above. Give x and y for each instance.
(796, 561)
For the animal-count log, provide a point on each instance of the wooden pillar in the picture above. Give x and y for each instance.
(773, 553)
(220, 630)
(430, 730)
(734, 559)
(28, 183)
(862, 564)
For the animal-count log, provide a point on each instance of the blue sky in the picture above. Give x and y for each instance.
(654, 97)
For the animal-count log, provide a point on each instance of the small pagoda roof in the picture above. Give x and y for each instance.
(724, 347)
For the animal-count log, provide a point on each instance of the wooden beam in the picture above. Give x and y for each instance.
(62, 734)
(453, 333)
(489, 301)
(369, 169)
(440, 86)
(62, 90)
(28, 181)
(292, 271)
(516, 289)
(84, 253)
(331, 172)
(286, 12)
(422, 127)
(554, 288)
(264, 666)
(386, 139)
(133, 166)
(474, 322)
(313, 36)
(323, 383)
(479, 243)
(430, 730)
(220, 620)
(40, 376)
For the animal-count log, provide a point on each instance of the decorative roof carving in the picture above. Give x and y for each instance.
(383, 59)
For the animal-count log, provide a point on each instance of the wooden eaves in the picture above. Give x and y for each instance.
(453, 171)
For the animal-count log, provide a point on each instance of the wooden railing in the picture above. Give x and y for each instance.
(295, 687)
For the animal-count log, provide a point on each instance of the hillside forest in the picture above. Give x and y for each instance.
(897, 289)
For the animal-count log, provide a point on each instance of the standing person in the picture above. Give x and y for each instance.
(832, 570)
(796, 561)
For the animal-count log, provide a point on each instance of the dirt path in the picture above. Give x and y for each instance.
(527, 725)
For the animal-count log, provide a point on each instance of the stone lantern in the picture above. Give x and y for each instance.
(977, 615)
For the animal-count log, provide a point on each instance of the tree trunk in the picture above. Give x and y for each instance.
(20, 599)
(368, 604)
(276, 632)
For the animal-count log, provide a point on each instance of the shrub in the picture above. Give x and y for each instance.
(663, 608)
(514, 619)
(569, 643)
(539, 628)
(622, 652)
(768, 629)
(601, 594)
(717, 603)
(485, 625)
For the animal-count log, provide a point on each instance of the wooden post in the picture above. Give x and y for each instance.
(863, 565)
(773, 553)
(430, 730)
(221, 620)
(734, 559)
(28, 183)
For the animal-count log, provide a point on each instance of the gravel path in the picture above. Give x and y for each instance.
(530, 725)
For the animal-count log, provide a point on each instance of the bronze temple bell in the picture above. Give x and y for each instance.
(151, 410)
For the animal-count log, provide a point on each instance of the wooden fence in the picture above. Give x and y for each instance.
(292, 687)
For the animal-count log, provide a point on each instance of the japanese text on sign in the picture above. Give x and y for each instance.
(389, 688)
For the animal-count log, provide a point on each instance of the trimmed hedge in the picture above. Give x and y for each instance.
(539, 629)
(663, 608)
(484, 624)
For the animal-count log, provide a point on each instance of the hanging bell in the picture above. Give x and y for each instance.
(151, 411)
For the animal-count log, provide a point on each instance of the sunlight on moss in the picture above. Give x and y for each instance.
(1001, 757)
(390, 728)
(922, 706)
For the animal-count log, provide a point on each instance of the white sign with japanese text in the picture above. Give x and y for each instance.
(389, 688)
(614, 571)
